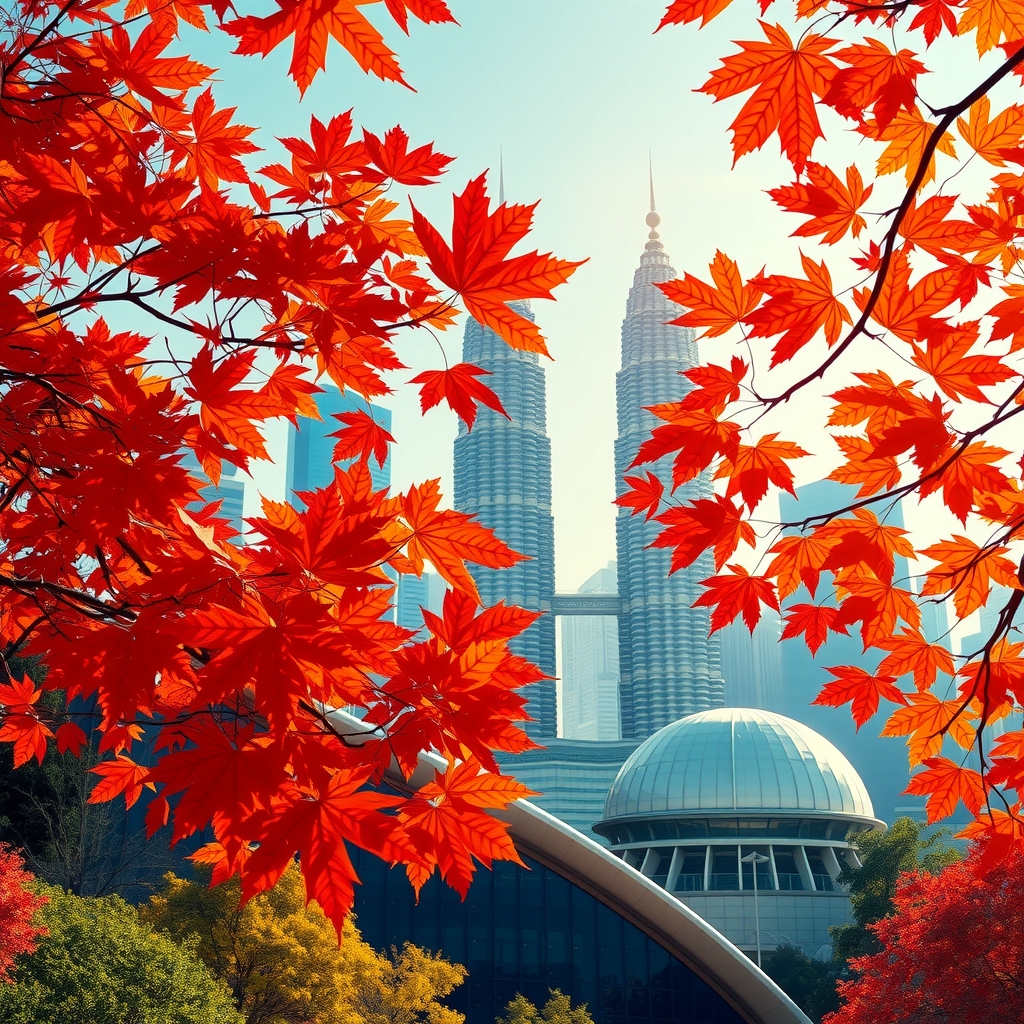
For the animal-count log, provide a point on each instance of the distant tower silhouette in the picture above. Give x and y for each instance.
(668, 666)
(503, 475)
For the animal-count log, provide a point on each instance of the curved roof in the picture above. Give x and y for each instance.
(737, 759)
(657, 913)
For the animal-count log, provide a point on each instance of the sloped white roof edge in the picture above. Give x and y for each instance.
(670, 923)
(658, 914)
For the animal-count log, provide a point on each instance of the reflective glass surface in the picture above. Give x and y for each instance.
(736, 759)
(530, 931)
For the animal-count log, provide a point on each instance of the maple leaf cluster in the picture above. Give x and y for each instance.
(950, 951)
(897, 323)
(18, 906)
(207, 670)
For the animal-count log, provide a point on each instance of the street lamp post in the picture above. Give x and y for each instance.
(754, 858)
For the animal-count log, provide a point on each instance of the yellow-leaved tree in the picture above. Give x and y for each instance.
(281, 958)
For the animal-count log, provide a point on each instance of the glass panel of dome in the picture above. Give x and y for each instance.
(691, 871)
(725, 868)
(764, 870)
(786, 869)
(788, 828)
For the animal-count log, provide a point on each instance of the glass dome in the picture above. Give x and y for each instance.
(737, 760)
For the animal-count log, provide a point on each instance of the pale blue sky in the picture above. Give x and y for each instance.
(575, 92)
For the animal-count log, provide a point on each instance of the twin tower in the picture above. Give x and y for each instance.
(668, 665)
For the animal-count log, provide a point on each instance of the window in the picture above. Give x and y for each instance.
(574, 943)
(786, 869)
(822, 879)
(764, 869)
(724, 868)
(691, 869)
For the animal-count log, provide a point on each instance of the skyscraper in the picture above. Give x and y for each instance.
(310, 446)
(415, 593)
(668, 665)
(230, 492)
(590, 668)
(503, 476)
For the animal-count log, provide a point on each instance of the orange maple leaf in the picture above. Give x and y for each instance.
(459, 387)
(967, 570)
(990, 139)
(797, 308)
(946, 784)
(909, 651)
(752, 467)
(907, 134)
(948, 360)
(122, 775)
(729, 595)
(217, 144)
(312, 25)
(717, 308)
(864, 689)
(861, 467)
(831, 205)
(476, 267)
(812, 621)
(448, 539)
(785, 79)
(693, 528)
(798, 560)
(681, 12)
(361, 437)
(644, 495)
(876, 79)
(926, 720)
(716, 385)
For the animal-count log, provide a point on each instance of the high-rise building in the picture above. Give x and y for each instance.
(668, 665)
(590, 668)
(503, 476)
(416, 593)
(310, 446)
(230, 492)
(752, 663)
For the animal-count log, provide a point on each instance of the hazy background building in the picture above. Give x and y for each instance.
(416, 593)
(310, 446)
(230, 492)
(752, 663)
(590, 667)
(668, 665)
(503, 476)
(881, 762)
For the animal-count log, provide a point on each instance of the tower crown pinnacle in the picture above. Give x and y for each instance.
(653, 218)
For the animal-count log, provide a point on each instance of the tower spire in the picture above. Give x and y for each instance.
(653, 217)
(501, 176)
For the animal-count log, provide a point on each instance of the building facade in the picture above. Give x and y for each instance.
(708, 799)
(668, 665)
(413, 594)
(572, 917)
(752, 662)
(310, 464)
(590, 667)
(503, 476)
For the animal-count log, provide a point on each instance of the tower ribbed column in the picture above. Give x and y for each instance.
(669, 666)
(503, 476)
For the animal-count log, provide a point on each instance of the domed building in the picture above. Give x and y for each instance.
(706, 800)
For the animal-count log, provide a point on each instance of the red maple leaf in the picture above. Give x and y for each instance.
(460, 388)
(737, 592)
(863, 689)
(476, 266)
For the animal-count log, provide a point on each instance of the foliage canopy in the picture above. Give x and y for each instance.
(281, 959)
(160, 296)
(904, 304)
(99, 964)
